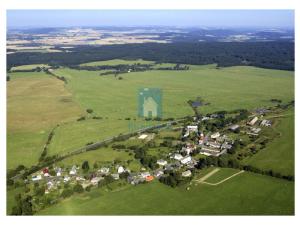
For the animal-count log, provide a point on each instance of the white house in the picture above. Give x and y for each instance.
(162, 162)
(73, 171)
(115, 176)
(121, 169)
(95, 180)
(104, 170)
(66, 179)
(187, 173)
(186, 160)
(158, 173)
(215, 135)
(143, 136)
(178, 156)
(145, 174)
(266, 123)
(253, 121)
(192, 128)
(36, 178)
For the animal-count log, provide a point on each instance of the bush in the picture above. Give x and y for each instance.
(78, 188)
(89, 111)
(66, 193)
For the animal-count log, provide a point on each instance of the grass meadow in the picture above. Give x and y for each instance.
(245, 194)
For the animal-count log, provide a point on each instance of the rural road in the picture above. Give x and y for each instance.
(220, 182)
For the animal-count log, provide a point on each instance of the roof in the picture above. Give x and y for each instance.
(149, 178)
(143, 136)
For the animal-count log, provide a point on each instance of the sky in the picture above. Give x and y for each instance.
(182, 18)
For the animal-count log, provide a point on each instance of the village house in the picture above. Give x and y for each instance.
(215, 135)
(186, 160)
(73, 171)
(67, 179)
(149, 178)
(162, 162)
(158, 173)
(58, 172)
(192, 128)
(266, 123)
(253, 121)
(36, 178)
(187, 173)
(234, 127)
(178, 156)
(115, 176)
(211, 151)
(145, 174)
(143, 136)
(46, 172)
(104, 170)
(213, 144)
(121, 169)
(225, 145)
(96, 180)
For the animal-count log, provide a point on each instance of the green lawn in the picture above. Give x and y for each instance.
(247, 194)
(279, 154)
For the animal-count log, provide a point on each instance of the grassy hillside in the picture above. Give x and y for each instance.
(35, 103)
(246, 194)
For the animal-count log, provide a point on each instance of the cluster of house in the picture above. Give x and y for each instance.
(211, 144)
(254, 131)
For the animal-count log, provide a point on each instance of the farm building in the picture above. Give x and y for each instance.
(186, 160)
(162, 162)
(266, 123)
(187, 173)
(253, 121)
(234, 127)
(215, 135)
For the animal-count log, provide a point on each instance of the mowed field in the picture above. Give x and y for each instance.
(35, 104)
(245, 194)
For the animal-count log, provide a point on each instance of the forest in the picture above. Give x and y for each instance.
(272, 55)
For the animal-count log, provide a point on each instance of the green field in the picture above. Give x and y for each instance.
(280, 153)
(103, 156)
(115, 100)
(28, 67)
(246, 194)
(228, 88)
(116, 62)
(35, 103)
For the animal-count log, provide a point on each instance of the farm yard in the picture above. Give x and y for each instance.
(62, 115)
